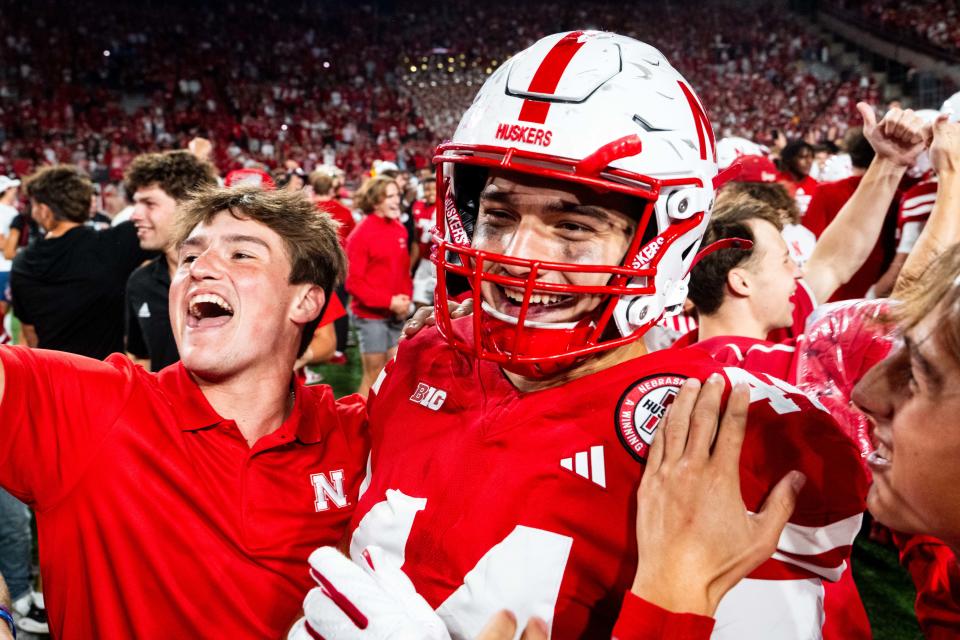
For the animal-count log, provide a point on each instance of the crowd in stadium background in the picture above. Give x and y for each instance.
(130, 108)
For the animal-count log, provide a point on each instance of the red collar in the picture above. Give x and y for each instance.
(194, 412)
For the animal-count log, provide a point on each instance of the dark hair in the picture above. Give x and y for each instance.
(794, 148)
(176, 172)
(708, 279)
(63, 188)
(310, 239)
(855, 143)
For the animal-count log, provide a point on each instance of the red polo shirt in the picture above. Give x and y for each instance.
(378, 266)
(156, 520)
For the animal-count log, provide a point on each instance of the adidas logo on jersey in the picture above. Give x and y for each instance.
(588, 465)
(144, 311)
(429, 397)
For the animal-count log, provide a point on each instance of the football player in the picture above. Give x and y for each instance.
(508, 445)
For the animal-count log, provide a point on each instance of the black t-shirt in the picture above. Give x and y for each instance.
(29, 230)
(71, 288)
(149, 334)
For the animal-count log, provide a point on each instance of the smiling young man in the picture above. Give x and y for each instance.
(159, 182)
(508, 446)
(184, 503)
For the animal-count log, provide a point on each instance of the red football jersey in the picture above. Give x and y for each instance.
(492, 498)
(826, 362)
(915, 209)
(424, 219)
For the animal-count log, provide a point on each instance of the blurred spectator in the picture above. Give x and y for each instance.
(98, 219)
(8, 213)
(324, 184)
(68, 287)
(425, 217)
(830, 198)
(159, 182)
(378, 275)
(796, 159)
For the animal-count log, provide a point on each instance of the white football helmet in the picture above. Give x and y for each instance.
(733, 147)
(595, 109)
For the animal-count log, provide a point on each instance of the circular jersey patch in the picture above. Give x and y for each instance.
(640, 409)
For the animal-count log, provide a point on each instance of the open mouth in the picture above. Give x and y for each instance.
(881, 457)
(514, 297)
(544, 306)
(208, 310)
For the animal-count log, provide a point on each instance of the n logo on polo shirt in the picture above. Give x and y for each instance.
(329, 489)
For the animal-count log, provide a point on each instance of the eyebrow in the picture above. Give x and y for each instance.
(930, 371)
(239, 238)
(199, 241)
(554, 206)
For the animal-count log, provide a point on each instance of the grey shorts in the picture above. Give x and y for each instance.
(376, 336)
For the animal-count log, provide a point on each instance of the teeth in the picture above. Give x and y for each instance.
(211, 298)
(878, 459)
(536, 298)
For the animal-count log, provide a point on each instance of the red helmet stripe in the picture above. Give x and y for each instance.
(701, 122)
(548, 75)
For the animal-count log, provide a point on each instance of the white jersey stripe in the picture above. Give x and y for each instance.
(811, 541)
(926, 198)
(598, 470)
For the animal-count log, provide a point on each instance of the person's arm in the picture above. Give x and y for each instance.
(847, 241)
(321, 348)
(29, 333)
(943, 228)
(13, 238)
(886, 282)
(5, 632)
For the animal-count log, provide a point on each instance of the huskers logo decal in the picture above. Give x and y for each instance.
(640, 409)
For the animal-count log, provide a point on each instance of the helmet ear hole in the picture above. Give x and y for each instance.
(468, 183)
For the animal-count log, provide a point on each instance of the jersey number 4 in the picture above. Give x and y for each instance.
(522, 572)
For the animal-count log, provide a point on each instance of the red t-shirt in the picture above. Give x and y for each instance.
(801, 190)
(378, 266)
(342, 215)
(424, 219)
(827, 202)
(491, 498)
(155, 518)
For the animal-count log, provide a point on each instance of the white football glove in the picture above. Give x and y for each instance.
(369, 600)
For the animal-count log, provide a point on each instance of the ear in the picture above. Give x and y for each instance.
(739, 282)
(307, 303)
